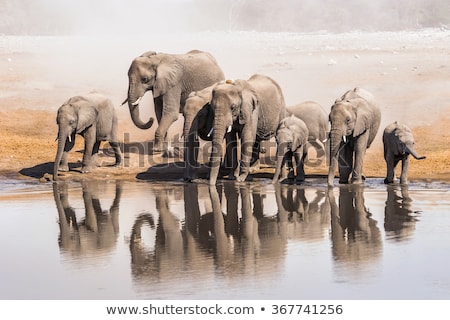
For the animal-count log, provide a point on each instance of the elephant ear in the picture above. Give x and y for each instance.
(87, 115)
(168, 75)
(363, 116)
(249, 101)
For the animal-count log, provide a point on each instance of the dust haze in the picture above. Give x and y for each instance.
(162, 16)
(315, 49)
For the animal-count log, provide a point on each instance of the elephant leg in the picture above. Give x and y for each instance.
(117, 153)
(345, 160)
(300, 156)
(89, 141)
(192, 145)
(170, 110)
(390, 166)
(360, 148)
(95, 159)
(287, 170)
(248, 140)
(405, 167)
(255, 163)
(230, 158)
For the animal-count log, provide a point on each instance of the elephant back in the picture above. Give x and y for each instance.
(271, 104)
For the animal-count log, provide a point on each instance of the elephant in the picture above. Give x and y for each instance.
(398, 142)
(171, 78)
(250, 108)
(92, 116)
(291, 136)
(198, 120)
(316, 119)
(355, 120)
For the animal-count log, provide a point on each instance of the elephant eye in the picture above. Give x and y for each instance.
(145, 79)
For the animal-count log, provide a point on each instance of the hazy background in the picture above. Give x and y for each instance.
(58, 17)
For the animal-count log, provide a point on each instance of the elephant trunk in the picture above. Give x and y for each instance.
(335, 143)
(216, 153)
(412, 152)
(133, 104)
(61, 145)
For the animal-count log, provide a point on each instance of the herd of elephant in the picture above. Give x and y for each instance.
(246, 111)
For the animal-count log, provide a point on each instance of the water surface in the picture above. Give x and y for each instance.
(155, 240)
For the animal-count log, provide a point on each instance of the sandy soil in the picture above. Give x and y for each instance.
(407, 73)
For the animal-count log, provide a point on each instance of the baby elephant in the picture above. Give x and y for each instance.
(91, 116)
(292, 136)
(398, 143)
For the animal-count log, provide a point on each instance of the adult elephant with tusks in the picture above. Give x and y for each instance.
(355, 120)
(250, 108)
(170, 77)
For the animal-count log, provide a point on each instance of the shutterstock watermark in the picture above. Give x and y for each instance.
(142, 154)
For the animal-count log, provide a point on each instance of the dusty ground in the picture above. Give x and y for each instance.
(407, 72)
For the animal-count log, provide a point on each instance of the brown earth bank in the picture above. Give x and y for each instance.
(404, 76)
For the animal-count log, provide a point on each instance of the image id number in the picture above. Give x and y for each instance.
(307, 309)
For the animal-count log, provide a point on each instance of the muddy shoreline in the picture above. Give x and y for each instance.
(407, 72)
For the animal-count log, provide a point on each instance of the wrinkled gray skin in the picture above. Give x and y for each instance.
(316, 119)
(250, 108)
(292, 137)
(92, 116)
(170, 77)
(355, 120)
(198, 120)
(398, 144)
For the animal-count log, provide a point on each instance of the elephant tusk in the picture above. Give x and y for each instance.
(70, 138)
(210, 132)
(345, 139)
(136, 102)
(124, 101)
(229, 129)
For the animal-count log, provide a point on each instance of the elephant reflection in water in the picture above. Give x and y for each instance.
(173, 242)
(245, 239)
(300, 218)
(208, 243)
(356, 239)
(99, 229)
(399, 218)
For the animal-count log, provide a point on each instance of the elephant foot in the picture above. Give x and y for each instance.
(357, 181)
(63, 168)
(388, 181)
(86, 170)
(299, 181)
(242, 177)
(159, 146)
(342, 181)
(255, 167)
